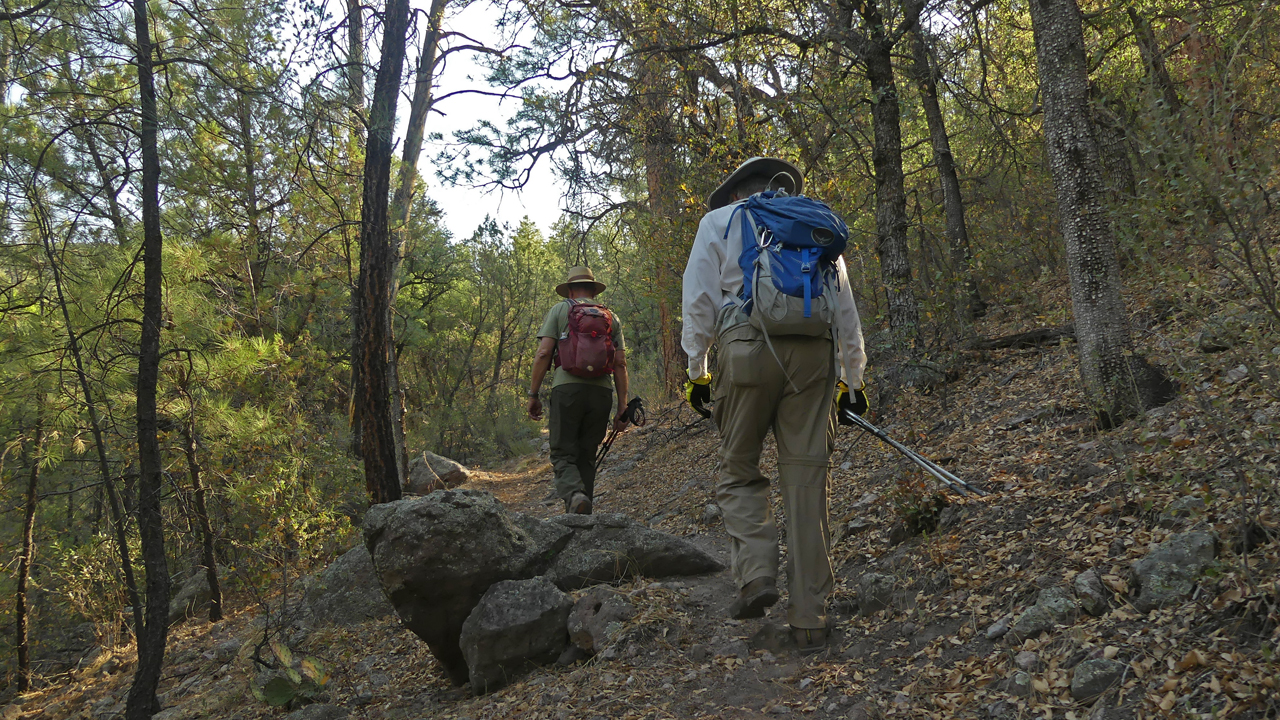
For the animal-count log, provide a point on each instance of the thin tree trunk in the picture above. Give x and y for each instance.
(355, 88)
(28, 557)
(142, 702)
(1101, 323)
(891, 200)
(207, 554)
(259, 249)
(95, 423)
(378, 445)
(1153, 59)
(952, 200)
(400, 204)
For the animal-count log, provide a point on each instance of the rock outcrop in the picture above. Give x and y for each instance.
(515, 623)
(348, 592)
(1168, 574)
(610, 547)
(430, 472)
(597, 619)
(436, 555)
(1055, 606)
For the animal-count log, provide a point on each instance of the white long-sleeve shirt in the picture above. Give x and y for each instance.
(712, 279)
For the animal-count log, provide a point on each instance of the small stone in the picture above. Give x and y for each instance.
(1093, 677)
(1236, 374)
(999, 628)
(711, 513)
(699, 653)
(875, 592)
(1019, 685)
(572, 654)
(1027, 660)
(805, 683)
(1093, 595)
(779, 710)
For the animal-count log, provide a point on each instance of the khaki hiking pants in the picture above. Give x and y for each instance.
(753, 396)
(580, 415)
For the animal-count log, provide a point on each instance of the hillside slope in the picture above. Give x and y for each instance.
(1064, 499)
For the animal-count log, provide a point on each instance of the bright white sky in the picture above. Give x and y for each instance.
(465, 207)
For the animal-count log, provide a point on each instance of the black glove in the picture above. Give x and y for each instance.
(850, 402)
(698, 393)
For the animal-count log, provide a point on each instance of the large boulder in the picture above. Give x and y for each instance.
(610, 546)
(430, 472)
(348, 592)
(515, 623)
(193, 595)
(436, 555)
(1168, 574)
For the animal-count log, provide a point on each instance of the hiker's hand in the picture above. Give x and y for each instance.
(850, 401)
(535, 408)
(698, 393)
(620, 423)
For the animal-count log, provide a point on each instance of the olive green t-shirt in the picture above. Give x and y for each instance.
(557, 326)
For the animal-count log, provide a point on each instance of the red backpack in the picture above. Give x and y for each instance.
(586, 349)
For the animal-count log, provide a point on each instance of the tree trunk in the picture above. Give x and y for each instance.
(953, 202)
(207, 554)
(1153, 60)
(378, 444)
(21, 614)
(1102, 325)
(142, 702)
(95, 423)
(419, 106)
(258, 247)
(891, 200)
(355, 89)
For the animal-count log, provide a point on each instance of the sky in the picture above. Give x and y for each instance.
(466, 207)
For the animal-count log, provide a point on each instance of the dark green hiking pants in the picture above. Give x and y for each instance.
(580, 416)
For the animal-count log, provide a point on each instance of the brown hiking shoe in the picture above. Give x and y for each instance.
(578, 504)
(753, 598)
(809, 640)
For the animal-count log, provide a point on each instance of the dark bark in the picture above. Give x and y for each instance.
(373, 327)
(1102, 326)
(259, 248)
(886, 158)
(952, 199)
(142, 702)
(21, 613)
(208, 556)
(1113, 142)
(355, 88)
(419, 106)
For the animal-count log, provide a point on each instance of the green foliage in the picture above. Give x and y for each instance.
(916, 503)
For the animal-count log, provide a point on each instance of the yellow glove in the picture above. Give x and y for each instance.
(698, 393)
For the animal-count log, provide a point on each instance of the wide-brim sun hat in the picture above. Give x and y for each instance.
(579, 275)
(788, 175)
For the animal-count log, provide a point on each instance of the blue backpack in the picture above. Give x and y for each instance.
(790, 244)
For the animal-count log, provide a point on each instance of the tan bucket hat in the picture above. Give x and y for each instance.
(790, 176)
(579, 274)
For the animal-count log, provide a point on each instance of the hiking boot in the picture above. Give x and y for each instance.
(578, 504)
(753, 598)
(809, 640)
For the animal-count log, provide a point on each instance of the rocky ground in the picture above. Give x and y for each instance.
(1125, 573)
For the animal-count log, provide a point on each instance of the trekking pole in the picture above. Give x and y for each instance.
(634, 414)
(929, 466)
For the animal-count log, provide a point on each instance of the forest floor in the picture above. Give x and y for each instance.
(1064, 497)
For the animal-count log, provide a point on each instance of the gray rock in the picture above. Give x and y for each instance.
(226, 650)
(1179, 510)
(348, 592)
(516, 622)
(597, 619)
(608, 547)
(193, 595)
(436, 555)
(999, 628)
(1019, 684)
(1168, 574)
(711, 513)
(1094, 596)
(699, 652)
(430, 472)
(734, 648)
(875, 592)
(1027, 660)
(1092, 678)
(317, 712)
(772, 638)
(1055, 606)
(167, 714)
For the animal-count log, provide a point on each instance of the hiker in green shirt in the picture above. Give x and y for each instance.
(585, 340)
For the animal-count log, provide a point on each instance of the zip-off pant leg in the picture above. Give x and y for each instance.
(579, 419)
(752, 396)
